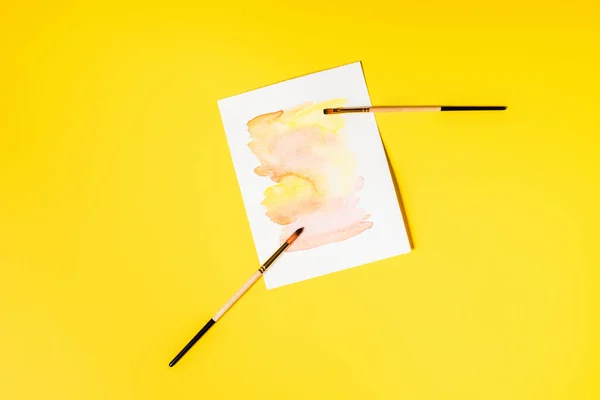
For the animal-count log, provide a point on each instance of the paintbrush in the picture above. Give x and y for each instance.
(410, 109)
(238, 295)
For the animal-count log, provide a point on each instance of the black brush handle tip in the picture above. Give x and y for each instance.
(192, 342)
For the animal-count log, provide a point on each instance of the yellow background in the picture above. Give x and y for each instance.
(122, 229)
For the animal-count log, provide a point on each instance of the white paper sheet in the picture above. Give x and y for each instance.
(311, 167)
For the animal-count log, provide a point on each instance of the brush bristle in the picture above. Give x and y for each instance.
(294, 236)
(327, 111)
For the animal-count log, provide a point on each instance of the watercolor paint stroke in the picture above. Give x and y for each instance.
(315, 185)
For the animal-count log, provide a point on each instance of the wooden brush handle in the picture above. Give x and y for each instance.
(403, 108)
(237, 295)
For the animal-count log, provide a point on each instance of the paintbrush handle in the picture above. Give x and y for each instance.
(192, 342)
(255, 277)
(393, 109)
(249, 283)
(404, 108)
